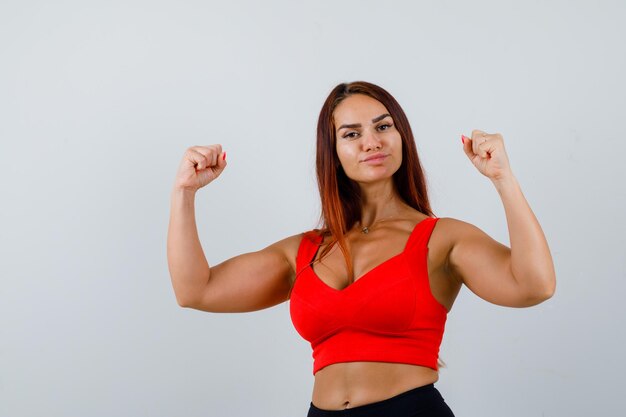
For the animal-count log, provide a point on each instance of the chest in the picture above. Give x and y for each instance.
(388, 298)
(367, 257)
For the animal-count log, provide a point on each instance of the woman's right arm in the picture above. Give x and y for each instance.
(247, 282)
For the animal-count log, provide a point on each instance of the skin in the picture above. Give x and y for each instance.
(459, 253)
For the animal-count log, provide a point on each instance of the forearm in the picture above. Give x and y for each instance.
(531, 261)
(189, 269)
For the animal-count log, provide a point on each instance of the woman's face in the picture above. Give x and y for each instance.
(368, 145)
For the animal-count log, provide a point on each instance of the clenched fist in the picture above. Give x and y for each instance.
(486, 151)
(200, 166)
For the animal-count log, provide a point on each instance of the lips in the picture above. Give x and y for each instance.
(376, 156)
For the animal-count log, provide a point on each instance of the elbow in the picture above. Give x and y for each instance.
(186, 297)
(540, 297)
(549, 286)
(544, 292)
(550, 290)
(184, 302)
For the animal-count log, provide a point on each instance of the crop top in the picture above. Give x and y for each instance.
(387, 315)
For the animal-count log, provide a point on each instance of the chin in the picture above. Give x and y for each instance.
(374, 180)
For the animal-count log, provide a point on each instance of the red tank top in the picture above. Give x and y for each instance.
(387, 315)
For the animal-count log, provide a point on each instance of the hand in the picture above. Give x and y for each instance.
(486, 151)
(200, 166)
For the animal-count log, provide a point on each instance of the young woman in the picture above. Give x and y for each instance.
(372, 288)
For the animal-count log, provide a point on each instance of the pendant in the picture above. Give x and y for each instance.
(365, 230)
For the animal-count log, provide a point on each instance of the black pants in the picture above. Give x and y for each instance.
(425, 401)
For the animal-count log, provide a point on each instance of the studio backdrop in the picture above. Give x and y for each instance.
(99, 101)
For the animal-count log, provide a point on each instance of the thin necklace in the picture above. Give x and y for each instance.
(366, 229)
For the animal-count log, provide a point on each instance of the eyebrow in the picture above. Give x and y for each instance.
(374, 120)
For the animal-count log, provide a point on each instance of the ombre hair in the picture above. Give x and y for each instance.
(340, 196)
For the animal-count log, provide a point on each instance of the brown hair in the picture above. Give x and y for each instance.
(341, 196)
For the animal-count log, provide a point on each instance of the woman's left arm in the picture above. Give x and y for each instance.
(521, 276)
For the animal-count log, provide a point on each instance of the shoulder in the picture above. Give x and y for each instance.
(461, 241)
(449, 231)
(446, 234)
(454, 227)
(289, 246)
(453, 231)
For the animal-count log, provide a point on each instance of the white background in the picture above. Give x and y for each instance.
(99, 100)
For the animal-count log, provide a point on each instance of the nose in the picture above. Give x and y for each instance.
(371, 142)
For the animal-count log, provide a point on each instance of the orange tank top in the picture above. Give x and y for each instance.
(387, 315)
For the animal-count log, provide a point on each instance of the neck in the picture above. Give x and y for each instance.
(380, 201)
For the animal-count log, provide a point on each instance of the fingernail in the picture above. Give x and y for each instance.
(224, 156)
(463, 139)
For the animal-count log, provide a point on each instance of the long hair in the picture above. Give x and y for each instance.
(340, 196)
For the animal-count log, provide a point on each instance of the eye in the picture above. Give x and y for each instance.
(385, 126)
(350, 135)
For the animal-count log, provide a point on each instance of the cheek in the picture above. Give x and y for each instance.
(398, 142)
(345, 154)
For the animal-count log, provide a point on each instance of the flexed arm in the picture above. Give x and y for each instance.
(519, 276)
(247, 282)
(188, 266)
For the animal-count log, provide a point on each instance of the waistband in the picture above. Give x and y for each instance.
(402, 401)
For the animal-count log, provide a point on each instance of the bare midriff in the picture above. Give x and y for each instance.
(352, 384)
